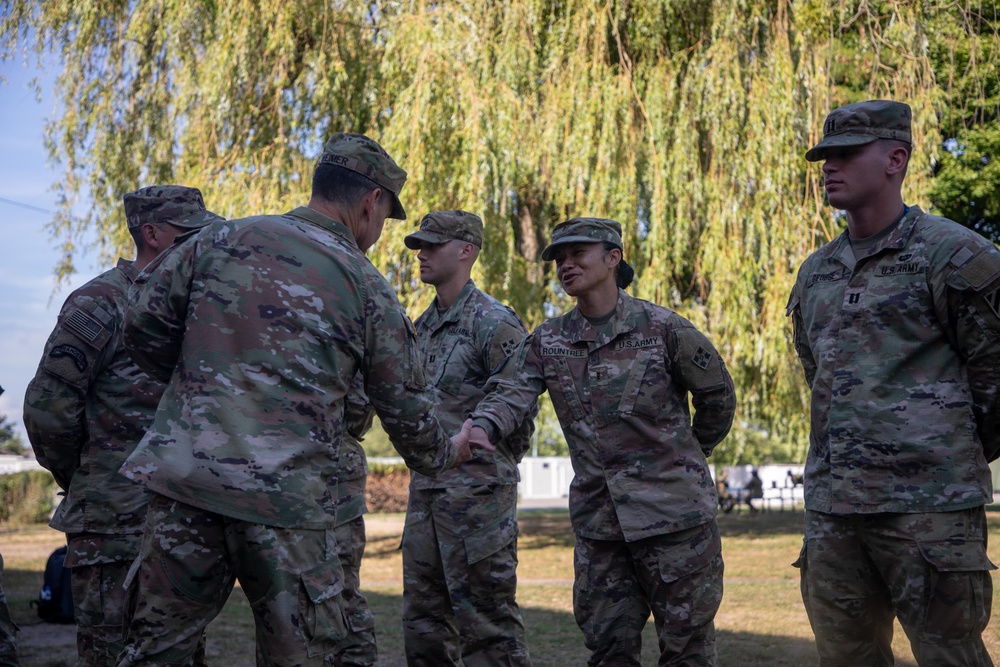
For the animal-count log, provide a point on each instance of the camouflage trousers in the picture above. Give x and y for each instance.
(677, 577)
(459, 578)
(100, 563)
(358, 648)
(8, 630)
(190, 560)
(931, 571)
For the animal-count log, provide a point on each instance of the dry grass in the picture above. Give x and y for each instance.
(761, 622)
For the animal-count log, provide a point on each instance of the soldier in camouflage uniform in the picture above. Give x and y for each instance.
(620, 371)
(8, 628)
(460, 539)
(358, 649)
(258, 326)
(896, 324)
(86, 409)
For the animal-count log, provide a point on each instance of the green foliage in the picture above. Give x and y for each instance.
(684, 119)
(548, 439)
(10, 441)
(376, 442)
(967, 187)
(26, 497)
(376, 469)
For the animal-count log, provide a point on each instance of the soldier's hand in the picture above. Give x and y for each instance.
(464, 442)
(461, 440)
(479, 438)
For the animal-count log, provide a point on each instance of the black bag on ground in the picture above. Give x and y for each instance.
(55, 600)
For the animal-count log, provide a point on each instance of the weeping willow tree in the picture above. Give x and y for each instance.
(684, 119)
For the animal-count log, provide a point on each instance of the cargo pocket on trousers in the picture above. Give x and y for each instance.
(693, 572)
(361, 621)
(800, 562)
(322, 606)
(490, 539)
(129, 601)
(959, 592)
(686, 558)
(492, 564)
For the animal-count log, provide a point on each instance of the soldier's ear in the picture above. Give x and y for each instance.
(148, 233)
(613, 257)
(898, 157)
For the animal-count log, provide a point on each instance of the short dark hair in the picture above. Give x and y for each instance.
(339, 185)
(624, 274)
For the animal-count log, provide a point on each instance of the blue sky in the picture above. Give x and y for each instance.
(29, 299)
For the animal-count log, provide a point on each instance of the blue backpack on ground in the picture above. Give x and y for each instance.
(55, 600)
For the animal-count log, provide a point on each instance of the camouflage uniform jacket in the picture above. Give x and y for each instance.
(903, 358)
(87, 408)
(460, 350)
(259, 326)
(352, 467)
(621, 395)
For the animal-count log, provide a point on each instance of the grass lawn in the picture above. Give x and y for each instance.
(761, 622)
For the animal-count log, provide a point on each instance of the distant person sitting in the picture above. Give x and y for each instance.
(726, 500)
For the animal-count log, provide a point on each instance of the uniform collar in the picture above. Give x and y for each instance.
(435, 318)
(330, 224)
(578, 329)
(897, 240)
(128, 268)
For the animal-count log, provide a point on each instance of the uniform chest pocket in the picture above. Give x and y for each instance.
(453, 367)
(562, 388)
(647, 390)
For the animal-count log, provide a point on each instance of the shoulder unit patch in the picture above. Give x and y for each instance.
(75, 355)
(701, 358)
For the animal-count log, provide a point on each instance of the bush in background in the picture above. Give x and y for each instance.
(388, 488)
(26, 497)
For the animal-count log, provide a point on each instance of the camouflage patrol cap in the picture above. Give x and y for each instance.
(364, 156)
(584, 230)
(443, 226)
(862, 123)
(176, 204)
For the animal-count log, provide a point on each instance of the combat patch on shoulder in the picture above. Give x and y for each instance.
(75, 355)
(68, 362)
(87, 328)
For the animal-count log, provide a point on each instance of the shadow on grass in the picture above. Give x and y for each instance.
(745, 524)
(381, 546)
(554, 640)
(546, 528)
